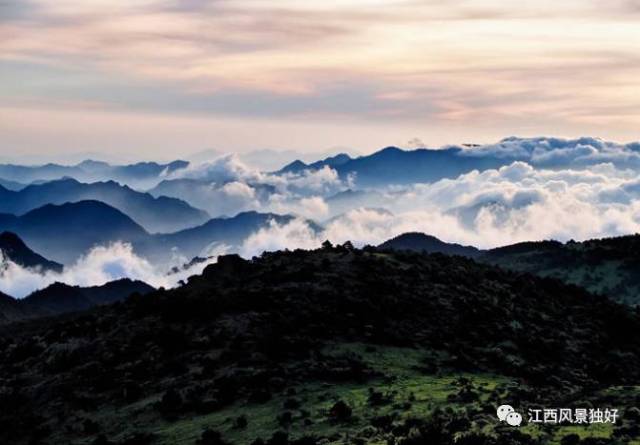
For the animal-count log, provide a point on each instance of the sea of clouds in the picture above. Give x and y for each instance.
(548, 189)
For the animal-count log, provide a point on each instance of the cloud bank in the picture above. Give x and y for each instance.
(100, 265)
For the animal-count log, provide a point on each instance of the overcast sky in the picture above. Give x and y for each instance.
(163, 79)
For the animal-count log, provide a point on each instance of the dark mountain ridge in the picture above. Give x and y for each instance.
(420, 242)
(608, 266)
(59, 298)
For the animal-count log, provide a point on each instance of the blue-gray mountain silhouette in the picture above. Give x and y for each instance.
(89, 171)
(66, 232)
(11, 185)
(393, 165)
(161, 214)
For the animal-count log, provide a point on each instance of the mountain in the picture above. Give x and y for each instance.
(11, 185)
(393, 165)
(348, 200)
(139, 174)
(15, 250)
(60, 298)
(609, 266)
(224, 231)
(65, 232)
(419, 242)
(333, 161)
(159, 214)
(213, 197)
(11, 310)
(336, 345)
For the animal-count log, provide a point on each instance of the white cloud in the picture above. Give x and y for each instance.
(223, 169)
(296, 234)
(514, 203)
(99, 266)
(226, 186)
(562, 153)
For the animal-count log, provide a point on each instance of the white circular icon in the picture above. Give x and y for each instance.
(504, 411)
(514, 419)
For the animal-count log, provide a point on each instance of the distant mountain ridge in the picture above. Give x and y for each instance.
(16, 251)
(90, 171)
(156, 214)
(393, 165)
(66, 232)
(11, 185)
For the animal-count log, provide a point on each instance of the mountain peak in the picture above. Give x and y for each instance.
(421, 242)
(390, 150)
(293, 167)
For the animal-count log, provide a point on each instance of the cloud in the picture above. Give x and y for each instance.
(227, 186)
(293, 235)
(497, 207)
(223, 169)
(99, 266)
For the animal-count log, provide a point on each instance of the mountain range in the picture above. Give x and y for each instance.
(65, 232)
(90, 171)
(393, 165)
(155, 214)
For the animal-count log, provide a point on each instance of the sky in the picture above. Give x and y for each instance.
(166, 79)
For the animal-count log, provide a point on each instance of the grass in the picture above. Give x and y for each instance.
(426, 391)
(401, 379)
